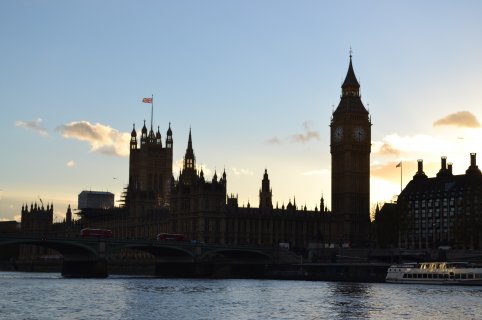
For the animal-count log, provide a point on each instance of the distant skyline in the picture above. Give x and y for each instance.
(256, 81)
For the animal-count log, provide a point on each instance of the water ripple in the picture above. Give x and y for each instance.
(48, 296)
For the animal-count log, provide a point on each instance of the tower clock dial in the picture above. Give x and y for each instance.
(359, 134)
(338, 134)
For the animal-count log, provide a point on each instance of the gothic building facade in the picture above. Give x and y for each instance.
(198, 206)
(150, 170)
(204, 212)
(156, 202)
(36, 221)
(350, 164)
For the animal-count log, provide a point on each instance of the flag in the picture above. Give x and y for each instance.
(399, 164)
(147, 100)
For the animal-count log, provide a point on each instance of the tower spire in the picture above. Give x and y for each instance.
(189, 142)
(189, 159)
(350, 86)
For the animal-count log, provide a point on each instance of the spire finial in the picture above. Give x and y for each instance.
(189, 142)
(351, 52)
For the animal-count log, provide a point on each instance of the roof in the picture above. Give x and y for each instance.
(446, 183)
(350, 79)
(104, 193)
(350, 98)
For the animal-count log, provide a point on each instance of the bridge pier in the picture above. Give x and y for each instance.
(176, 269)
(85, 268)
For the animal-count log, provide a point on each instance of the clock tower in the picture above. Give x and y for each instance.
(350, 146)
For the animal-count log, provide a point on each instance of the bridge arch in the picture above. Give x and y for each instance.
(62, 246)
(157, 250)
(237, 253)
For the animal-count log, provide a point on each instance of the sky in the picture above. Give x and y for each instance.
(255, 81)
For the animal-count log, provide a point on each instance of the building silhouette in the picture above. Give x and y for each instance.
(200, 208)
(155, 201)
(445, 210)
(350, 146)
(36, 220)
(95, 199)
(150, 171)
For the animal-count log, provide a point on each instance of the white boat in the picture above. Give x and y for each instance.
(449, 273)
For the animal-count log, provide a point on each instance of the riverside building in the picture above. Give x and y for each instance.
(445, 210)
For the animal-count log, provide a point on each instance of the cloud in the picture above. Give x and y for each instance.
(386, 149)
(102, 138)
(177, 165)
(463, 119)
(273, 140)
(389, 170)
(414, 147)
(71, 164)
(239, 172)
(35, 125)
(322, 172)
(307, 135)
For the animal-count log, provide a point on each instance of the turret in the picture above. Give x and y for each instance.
(265, 193)
(223, 178)
(133, 143)
(152, 136)
(68, 215)
(189, 158)
(158, 137)
(169, 137)
(144, 134)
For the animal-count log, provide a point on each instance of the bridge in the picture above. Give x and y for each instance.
(89, 257)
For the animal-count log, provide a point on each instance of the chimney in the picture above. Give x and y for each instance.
(443, 168)
(450, 167)
(444, 163)
(420, 166)
(473, 169)
(420, 174)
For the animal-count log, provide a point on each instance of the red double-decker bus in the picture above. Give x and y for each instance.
(171, 237)
(95, 233)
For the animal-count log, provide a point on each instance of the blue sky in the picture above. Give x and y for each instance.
(255, 80)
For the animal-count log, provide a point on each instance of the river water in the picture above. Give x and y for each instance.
(49, 296)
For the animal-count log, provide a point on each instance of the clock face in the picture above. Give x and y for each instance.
(359, 134)
(338, 134)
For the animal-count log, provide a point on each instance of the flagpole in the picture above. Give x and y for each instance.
(152, 109)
